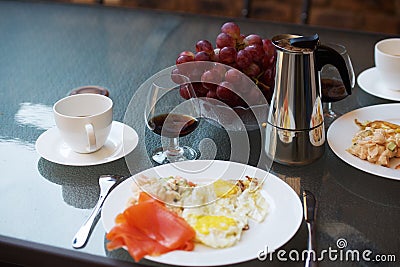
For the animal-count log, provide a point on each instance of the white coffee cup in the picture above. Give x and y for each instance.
(387, 61)
(84, 121)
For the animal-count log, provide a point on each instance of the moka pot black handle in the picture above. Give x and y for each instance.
(326, 55)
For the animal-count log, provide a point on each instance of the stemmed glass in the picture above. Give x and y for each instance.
(333, 89)
(171, 116)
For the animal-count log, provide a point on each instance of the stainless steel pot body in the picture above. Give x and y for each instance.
(295, 132)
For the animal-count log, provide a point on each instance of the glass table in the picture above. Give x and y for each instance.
(48, 49)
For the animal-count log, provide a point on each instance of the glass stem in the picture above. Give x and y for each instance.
(173, 148)
(327, 107)
(330, 107)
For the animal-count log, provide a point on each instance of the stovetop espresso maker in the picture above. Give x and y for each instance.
(295, 132)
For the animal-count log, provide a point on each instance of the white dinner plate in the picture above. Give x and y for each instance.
(342, 130)
(370, 82)
(121, 141)
(280, 225)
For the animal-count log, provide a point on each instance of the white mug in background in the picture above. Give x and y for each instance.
(84, 121)
(387, 61)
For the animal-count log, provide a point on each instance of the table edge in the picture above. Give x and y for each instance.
(28, 253)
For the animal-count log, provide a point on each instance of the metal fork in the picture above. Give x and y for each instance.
(107, 183)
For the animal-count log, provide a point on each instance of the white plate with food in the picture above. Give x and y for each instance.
(344, 129)
(282, 205)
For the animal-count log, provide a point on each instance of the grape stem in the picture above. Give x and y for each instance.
(240, 46)
(257, 81)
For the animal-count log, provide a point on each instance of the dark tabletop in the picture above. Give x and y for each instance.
(46, 50)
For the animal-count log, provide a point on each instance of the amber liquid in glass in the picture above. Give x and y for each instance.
(173, 125)
(332, 90)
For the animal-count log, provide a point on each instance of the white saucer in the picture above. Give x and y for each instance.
(121, 141)
(371, 83)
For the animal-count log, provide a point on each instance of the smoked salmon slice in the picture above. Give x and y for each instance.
(150, 228)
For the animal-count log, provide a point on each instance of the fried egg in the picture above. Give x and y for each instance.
(215, 225)
(220, 224)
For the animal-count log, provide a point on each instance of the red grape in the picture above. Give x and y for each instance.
(184, 92)
(232, 29)
(256, 51)
(233, 76)
(184, 59)
(211, 79)
(176, 71)
(253, 39)
(184, 68)
(202, 56)
(227, 55)
(225, 40)
(267, 61)
(225, 91)
(187, 53)
(243, 59)
(177, 77)
(252, 71)
(269, 47)
(206, 46)
(221, 69)
(210, 76)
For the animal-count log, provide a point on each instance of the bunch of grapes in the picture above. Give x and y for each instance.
(250, 55)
